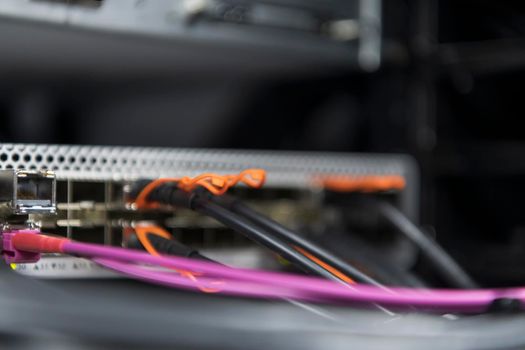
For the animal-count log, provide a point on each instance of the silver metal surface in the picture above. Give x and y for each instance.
(109, 163)
(53, 266)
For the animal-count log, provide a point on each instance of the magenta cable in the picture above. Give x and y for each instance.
(309, 288)
(230, 287)
(255, 283)
(209, 268)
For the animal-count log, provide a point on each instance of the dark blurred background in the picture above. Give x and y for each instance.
(448, 92)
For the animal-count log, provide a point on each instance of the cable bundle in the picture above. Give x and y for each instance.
(201, 195)
(261, 284)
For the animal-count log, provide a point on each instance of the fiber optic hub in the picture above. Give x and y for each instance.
(92, 182)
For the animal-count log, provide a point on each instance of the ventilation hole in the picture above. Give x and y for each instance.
(38, 158)
(15, 157)
(77, 168)
(50, 158)
(66, 167)
(113, 161)
(61, 159)
(82, 160)
(93, 160)
(103, 160)
(3, 157)
(72, 159)
(32, 167)
(55, 167)
(134, 162)
(9, 166)
(21, 167)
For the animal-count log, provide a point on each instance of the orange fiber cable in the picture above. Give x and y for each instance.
(215, 183)
(364, 183)
(325, 266)
(143, 231)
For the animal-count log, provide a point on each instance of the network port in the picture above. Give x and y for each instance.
(27, 191)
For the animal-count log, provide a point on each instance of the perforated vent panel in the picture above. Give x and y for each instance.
(101, 163)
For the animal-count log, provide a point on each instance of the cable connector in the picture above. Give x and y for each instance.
(13, 255)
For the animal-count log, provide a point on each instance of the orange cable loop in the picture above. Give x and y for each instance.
(215, 183)
(143, 231)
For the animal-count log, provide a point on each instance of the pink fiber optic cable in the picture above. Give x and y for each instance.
(258, 283)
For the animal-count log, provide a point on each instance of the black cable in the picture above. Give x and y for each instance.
(199, 201)
(262, 237)
(167, 246)
(445, 265)
(172, 247)
(252, 230)
(362, 253)
(290, 236)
